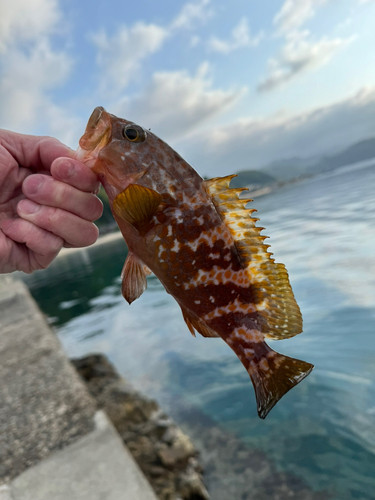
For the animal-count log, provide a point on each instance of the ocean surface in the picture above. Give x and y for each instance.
(323, 431)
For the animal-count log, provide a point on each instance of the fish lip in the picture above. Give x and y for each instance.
(97, 135)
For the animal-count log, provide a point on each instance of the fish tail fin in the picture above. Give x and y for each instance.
(273, 376)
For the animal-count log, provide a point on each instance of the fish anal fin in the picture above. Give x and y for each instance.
(269, 281)
(137, 205)
(133, 276)
(273, 376)
(194, 323)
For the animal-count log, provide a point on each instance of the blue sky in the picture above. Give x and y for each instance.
(230, 85)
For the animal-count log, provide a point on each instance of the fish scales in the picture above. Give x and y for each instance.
(200, 240)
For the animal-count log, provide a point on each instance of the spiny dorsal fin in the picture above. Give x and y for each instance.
(276, 302)
(137, 205)
(133, 277)
(193, 323)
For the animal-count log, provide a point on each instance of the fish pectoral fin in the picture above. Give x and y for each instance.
(137, 205)
(273, 376)
(133, 276)
(194, 323)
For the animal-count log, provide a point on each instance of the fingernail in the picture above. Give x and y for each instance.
(66, 168)
(33, 183)
(28, 207)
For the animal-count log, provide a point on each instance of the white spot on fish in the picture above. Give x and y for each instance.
(161, 250)
(262, 306)
(178, 215)
(197, 301)
(249, 335)
(249, 352)
(123, 158)
(235, 306)
(176, 246)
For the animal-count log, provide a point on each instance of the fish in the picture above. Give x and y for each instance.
(202, 242)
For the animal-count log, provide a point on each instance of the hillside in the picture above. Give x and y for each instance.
(253, 178)
(363, 150)
(291, 168)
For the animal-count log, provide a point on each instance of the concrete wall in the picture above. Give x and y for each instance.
(53, 443)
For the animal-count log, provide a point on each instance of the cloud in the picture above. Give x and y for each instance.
(192, 12)
(294, 13)
(250, 143)
(30, 69)
(22, 20)
(119, 57)
(27, 78)
(240, 38)
(176, 103)
(299, 55)
(195, 40)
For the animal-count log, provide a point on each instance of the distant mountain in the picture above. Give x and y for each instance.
(251, 178)
(364, 150)
(292, 168)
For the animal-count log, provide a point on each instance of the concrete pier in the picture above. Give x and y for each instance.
(54, 444)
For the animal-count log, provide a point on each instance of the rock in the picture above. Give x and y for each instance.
(168, 457)
(165, 454)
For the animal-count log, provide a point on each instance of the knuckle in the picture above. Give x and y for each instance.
(63, 195)
(56, 244)
(54, 215)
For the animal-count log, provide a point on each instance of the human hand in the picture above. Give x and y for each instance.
(46, 201)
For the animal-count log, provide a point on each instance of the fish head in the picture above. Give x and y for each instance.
(118, 150)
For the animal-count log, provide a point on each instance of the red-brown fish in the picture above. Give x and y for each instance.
(202, 243)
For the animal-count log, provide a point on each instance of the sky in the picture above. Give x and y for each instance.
(231, 85)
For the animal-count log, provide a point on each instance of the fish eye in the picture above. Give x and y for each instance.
(134, 133)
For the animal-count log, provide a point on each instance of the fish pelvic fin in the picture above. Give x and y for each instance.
(273, 376)
(133, 276)
(269, 280)
(194, 323)
(137, 205)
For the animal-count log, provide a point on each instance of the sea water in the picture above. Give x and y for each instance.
(323, 431)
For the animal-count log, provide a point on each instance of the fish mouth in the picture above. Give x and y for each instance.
(97, 135)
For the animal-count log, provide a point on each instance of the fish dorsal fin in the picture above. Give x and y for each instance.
(276, 302)
(193, 323)
(137, 204)
(133, 277)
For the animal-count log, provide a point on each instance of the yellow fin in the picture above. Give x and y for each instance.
(193, 323)
(133, 276)
(275, 299)
(137, 204)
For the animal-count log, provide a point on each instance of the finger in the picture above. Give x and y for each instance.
(45, 190)
(76, 174)
(33, 151)
(75, 231)
(43, 246)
